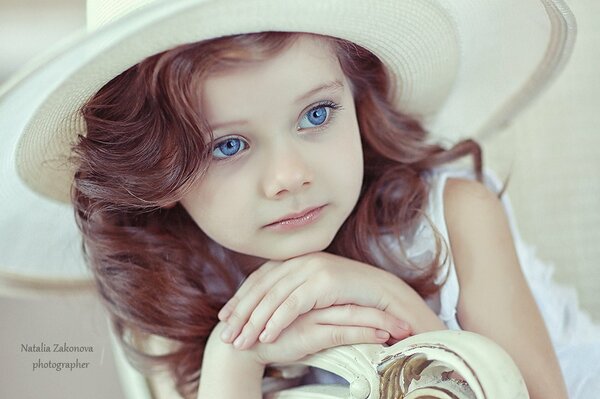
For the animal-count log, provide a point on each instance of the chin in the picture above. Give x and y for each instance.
(283, 254)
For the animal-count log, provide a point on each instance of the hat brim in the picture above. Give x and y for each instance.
(448, 58)
(462, 67)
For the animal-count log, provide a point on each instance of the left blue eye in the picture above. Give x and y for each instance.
(315, 116)
(228, 147)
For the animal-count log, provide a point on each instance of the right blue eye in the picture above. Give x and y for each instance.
(315, 117)
(228, 147)
(318, 116)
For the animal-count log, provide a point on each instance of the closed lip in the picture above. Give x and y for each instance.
(295, 216)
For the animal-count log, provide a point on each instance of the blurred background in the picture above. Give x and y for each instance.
(74, 317)
(552, 152)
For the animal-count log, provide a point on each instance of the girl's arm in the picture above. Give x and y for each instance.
(495, 299)
(227, 372)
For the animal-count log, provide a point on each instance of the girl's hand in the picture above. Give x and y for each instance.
(310, 333)
(277, 293)
(320, 329)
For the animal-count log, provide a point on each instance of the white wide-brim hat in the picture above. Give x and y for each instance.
(462, 67)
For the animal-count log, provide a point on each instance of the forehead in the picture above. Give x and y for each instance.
(297, 48)
(304, 64)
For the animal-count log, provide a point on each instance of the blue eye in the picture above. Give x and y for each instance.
(318, 115)
(228, 147)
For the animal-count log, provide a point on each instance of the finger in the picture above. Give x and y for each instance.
(272, 300)
(354, 315)
(349, 314)
(245, 287)
(245, 301)
(297, 303)
(328, 336)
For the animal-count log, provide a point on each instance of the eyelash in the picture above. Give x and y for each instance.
(334, 107)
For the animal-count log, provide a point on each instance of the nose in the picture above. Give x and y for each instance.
(286, 172)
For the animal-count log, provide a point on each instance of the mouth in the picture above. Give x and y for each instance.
(298, 219)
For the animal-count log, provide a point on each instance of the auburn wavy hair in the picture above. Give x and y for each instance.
(147, 141)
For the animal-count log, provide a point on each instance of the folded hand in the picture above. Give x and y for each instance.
(278, 293)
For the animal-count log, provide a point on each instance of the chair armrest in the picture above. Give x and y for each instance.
(440, 364)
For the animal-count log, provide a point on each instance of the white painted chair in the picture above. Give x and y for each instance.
(438, 365)
(441, 364)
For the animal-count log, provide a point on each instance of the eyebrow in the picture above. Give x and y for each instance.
(333, 86)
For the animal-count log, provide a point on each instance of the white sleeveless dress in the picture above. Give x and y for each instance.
(575, 337)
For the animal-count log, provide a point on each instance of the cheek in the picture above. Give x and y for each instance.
(346, 157)
(218, 206)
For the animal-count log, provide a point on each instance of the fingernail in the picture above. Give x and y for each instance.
(404, 325)
(239, 342)
(264, 337)
(226, 334)
(382, 334)
(223, 314)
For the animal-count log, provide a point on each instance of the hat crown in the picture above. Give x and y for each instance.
(103, 12)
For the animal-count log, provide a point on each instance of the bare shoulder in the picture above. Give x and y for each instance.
(463, 194)
(472, 209)
(481, 243)
(478, 229)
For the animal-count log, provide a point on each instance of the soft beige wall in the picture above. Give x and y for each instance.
(29, 26)
(555, 180)
(77, 320)
(26, 28)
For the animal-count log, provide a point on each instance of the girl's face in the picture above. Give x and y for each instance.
(287, 168)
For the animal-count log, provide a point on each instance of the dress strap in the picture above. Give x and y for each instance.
(449, 291)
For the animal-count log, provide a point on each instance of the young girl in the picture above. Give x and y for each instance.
(257, 197)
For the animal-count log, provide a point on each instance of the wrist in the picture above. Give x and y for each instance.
(216, 348)
(221, 361)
